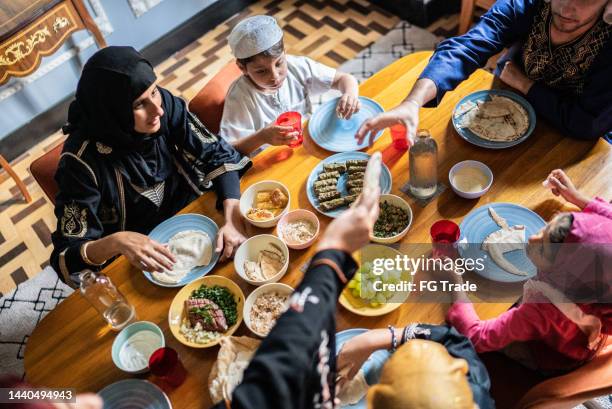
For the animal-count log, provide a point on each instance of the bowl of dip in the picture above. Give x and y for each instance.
(135, 344)
(298, 229)
(470, 179)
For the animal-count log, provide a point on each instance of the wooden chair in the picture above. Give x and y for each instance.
(208, 103)
(590, 381)
(22, 187)
(467, 12)
(43, 170)
(515, 387)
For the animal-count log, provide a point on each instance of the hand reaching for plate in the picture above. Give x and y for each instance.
(233, 233)
(353, 228)
(356, 351)
(143, 252)
(348, 105)
(406, 114)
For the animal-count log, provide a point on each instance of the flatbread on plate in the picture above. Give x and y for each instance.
(192, 248)
(500, 119)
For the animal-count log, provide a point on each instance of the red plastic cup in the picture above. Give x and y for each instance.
(444, 237)
(399, 137)
(166, 364)
(293, 119)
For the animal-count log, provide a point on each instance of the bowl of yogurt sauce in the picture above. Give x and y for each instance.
(135, 344)
(470, 179)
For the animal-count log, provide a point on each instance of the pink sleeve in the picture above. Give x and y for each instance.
(523, 323)
(599, 206)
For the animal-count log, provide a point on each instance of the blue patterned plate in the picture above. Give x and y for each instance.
(372, 368)
(385, 180)
(478, 96)
(338, 135)
(165, 230)
(134, 394)
(479, 224)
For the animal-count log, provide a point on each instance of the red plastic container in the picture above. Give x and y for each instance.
(166, 364)
(444, 237)
(399, 137)
(293, 119)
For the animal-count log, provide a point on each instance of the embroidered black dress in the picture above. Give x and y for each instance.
(112, 179)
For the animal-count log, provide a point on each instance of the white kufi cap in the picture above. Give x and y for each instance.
(254, 35)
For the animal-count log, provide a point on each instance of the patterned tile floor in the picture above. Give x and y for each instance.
(330, 31)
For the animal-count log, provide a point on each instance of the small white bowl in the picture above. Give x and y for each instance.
(399, 202)
(267, 288)
(249, 250)
(474, 164)
(293, 216)
(138, 352)
(247, 201)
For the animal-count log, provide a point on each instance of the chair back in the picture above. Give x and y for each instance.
(591, 380)
(43, 170)
(207, 105)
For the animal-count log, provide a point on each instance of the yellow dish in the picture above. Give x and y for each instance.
(177, 313)
(359, 306)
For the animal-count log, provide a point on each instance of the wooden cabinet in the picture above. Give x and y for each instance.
(31, 29)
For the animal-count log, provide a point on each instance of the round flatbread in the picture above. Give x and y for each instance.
(192, 248)
(500, 120)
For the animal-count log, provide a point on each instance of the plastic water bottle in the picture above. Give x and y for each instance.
(423, 157)
(100, 291)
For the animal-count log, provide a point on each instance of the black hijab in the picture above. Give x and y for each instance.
(102, 112)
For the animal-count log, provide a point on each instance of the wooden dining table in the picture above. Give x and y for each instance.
(71, 346)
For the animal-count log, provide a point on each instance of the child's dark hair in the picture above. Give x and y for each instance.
(561, 229)
(275, 51)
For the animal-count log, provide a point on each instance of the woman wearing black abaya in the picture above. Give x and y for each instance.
(133, 158)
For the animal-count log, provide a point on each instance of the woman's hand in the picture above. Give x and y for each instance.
(351, 231)
(144, 253)
(515, 77)
(561, 185)
(347, 105)
(279, 135)
(233, 233)
(407, 114)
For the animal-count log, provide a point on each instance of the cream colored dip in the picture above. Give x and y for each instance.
(470, 179)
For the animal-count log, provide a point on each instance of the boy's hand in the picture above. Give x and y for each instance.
(347, 105)
(279, 135)
(561, 185)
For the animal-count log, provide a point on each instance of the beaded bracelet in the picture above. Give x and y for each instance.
(393, 338)
(404, 333)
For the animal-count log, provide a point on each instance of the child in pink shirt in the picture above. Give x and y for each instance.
(566, 314)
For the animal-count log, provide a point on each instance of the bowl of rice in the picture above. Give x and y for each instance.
(264, 305)
(298, 229)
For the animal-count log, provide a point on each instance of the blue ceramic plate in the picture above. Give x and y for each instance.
(477, 96)
(134, 394)
(372, 368)
(385, 180)
(338, 135)
(165, 230)
(479, 224)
